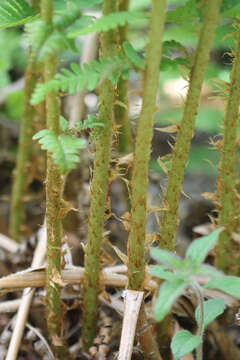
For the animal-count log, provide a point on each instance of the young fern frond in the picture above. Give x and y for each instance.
(90, 123)
(15, 12)
(108, 22)
(64, 148)
(91, 75)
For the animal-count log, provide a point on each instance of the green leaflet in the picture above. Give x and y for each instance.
(167, 258)
(212, 309)
(228, 284)
(64, 148)
(168, 293)
(108, 22)
(199, 248)
(183, 343)
(15, 12)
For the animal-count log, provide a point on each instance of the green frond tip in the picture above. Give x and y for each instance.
(90, 76)
(15, 12)
(108, 22)
(64, 148)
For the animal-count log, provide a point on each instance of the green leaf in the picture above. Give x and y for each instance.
(228, 284)
(63, 123)
(15, 12)
(64, 148)
(162, 273)
(208, 270)
(199, 248)
(167, 258)
(133, 55)
(108, 22)
(168, 293)
(183, 343)
(212, 309)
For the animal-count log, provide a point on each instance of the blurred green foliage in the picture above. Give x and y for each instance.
(12, 55)
(14, 105)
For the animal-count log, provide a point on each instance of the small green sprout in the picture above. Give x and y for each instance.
(181, 273)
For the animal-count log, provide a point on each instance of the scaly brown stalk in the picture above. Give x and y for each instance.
(228, 255)
(169, 220)
(139, 182)
(23, 164)
(99, 187)
(121, 111)
(54, 187)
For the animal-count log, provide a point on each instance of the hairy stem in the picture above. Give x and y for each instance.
(198, 290)
(20, 182)
(228, 256)
(121, 112)
(169, 220)
(99, 187)
(54, 187)
(17, 211)
(136, 243)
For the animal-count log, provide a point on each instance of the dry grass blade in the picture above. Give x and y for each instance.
(69, 276)
(8, 244)
(132, 302)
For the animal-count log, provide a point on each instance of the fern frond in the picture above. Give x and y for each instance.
(109, 22)
(64, 148)
(15, 12)
(77, 78)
